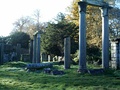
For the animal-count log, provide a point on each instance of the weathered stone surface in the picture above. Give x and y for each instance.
(82, 33)
(115, 53)
(67, 53)
(58, 72)
(38, 65)
(82, 36)
(105, 37)
(95, 71)
(53, 72)
(47, 70)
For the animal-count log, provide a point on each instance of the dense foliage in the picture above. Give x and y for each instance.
(114, 23)
(18, 38)
(53, 37)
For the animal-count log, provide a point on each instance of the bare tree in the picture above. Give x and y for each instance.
(114, 22)
(22, 23)
(29, 24)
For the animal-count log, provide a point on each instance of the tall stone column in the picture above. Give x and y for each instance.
(34, 50)
(38, 48)
(118, 61)
(1, 52)
(31, 50)
(82, 36)
(67, 53)
(18, 51)
(105, 38)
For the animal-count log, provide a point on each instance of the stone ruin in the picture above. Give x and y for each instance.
(37, 58)
(115, 53)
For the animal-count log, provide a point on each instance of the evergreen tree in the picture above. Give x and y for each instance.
(53, 37)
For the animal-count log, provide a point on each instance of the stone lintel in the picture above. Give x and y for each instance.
(99, 3)
(82, 6)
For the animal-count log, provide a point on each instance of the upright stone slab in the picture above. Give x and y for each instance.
(1, 52)
(18, 51)
(105, 37)
(67, 53)
(49, 58)
(115, 54)
(44, 57)
(31, 50)
(34, 50)
(118, 61)
(82, 37)
(38, 48)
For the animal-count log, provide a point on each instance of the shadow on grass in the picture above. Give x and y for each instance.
(16, 64)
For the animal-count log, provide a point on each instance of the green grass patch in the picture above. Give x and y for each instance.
(13, 76)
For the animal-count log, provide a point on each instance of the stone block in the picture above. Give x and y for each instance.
(58, 72)
(95, 71)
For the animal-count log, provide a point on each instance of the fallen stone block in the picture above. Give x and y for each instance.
(95, 71)
(58, 72)
(34, 66)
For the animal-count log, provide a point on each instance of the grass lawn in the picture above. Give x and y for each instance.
(14, 77)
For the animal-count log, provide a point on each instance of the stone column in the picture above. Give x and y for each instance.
(114, 54)
(118, 61)
(34, 50)
(31, 50)
(67, 53)
(105, 38)
(18, 51)
(1, 52)
(38, 48)
(82, 37)
(49, 58)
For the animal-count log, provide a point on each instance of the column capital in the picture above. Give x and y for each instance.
(104, 10)
(82, 6)
(38, 35)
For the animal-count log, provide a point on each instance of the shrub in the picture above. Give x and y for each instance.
(75, 57)
(93, 54)
(117, 73)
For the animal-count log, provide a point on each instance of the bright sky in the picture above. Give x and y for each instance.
(11, 10)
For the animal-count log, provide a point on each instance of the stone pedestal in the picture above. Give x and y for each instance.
(82, 37)
(67, 53)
